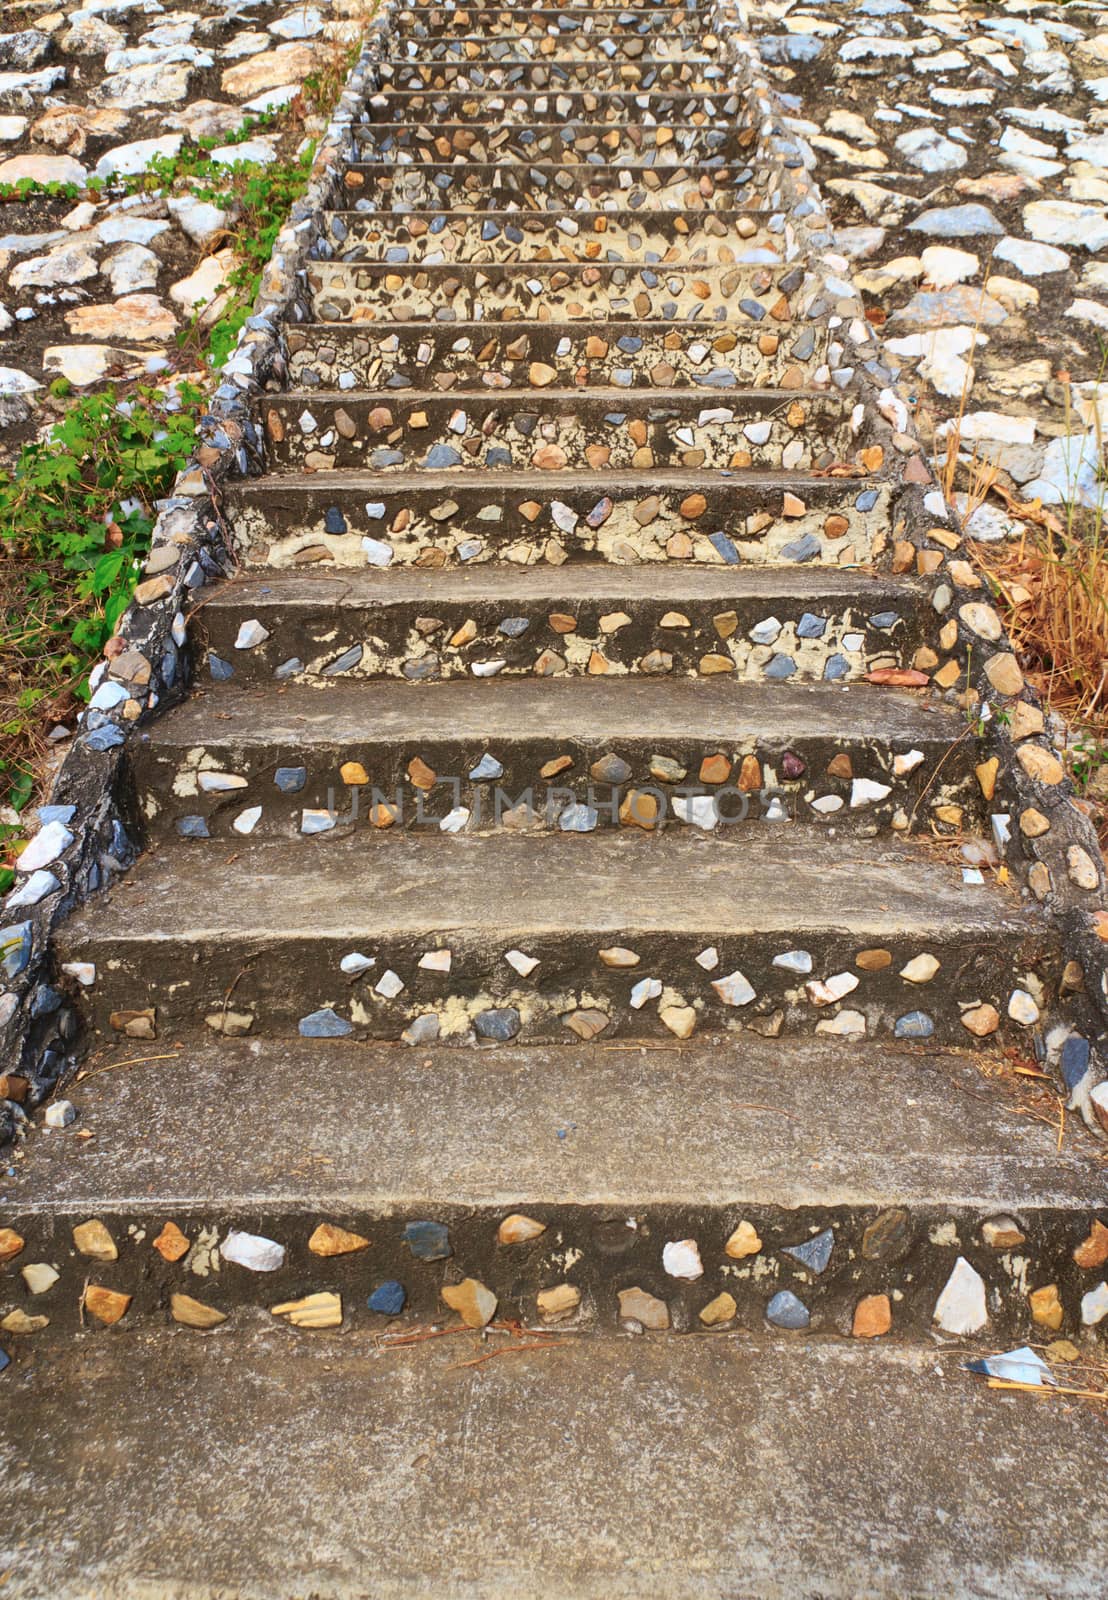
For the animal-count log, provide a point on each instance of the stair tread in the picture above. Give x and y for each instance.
(540, 269)
(364, 481)
(743, 404)
(790, 1123)
(607, 396)
(797, 883)
(589, 710)
(600, 581)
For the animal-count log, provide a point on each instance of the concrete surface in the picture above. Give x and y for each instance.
(275, 1466)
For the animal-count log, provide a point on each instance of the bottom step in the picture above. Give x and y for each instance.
(714, 1185)
(640, 1468)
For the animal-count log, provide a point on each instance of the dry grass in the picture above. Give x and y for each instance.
(1054, 583)
(1051, 584)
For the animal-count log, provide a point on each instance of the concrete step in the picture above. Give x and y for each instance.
(373, 291)
(569, 143)
(437, 518)
(474, 355)
(595, 1145)
(720, 238)
(822, 622)
(273, 920)
(933, 1484)
(660, 105)
(596, 431)
(862, 759)
(545, 186)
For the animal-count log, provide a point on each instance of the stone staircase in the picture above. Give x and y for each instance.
(560, 905)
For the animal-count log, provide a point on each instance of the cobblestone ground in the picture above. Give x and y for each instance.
(963, 151)
(96, 286)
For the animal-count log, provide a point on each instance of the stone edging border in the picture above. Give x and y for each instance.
(1037, 825)
(91, 837)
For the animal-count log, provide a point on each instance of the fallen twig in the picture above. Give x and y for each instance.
(505, 1350)
(132, 1061)
(1047, 1388)
(418, 1336)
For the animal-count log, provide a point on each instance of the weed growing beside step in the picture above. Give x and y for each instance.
(76, 511)
(77, 508)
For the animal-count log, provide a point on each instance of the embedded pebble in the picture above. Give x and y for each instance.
(252, 1251)
(960, 1308)
(681, 1259)
(786, 1310)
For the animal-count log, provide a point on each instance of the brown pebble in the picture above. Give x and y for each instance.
(171, 1244)
(11, 1243)
(331, 1240)
(420, 774)
(873, 1316)
(715, 768)
(106, 1305)
(1092, 1252)
(1046, 1307)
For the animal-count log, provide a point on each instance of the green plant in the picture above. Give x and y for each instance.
(76, 513)
(1087, 756)
(260, 197)
(31, 189)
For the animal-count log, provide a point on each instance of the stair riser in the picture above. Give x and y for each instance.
(603, 292)
(172, 797)
(544, 187)
(700, 238)
(430, 23)
(571, 144)
(489, 16)
(673, 106)
(572, 433)
(463, 523)
(281, 979)
(475, 355)
(600, 1250)
(557, 55)
(672, 77)
(508, 301)
(317, 638)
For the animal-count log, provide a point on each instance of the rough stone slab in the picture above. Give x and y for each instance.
(645, 1468)
(383, 1128)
